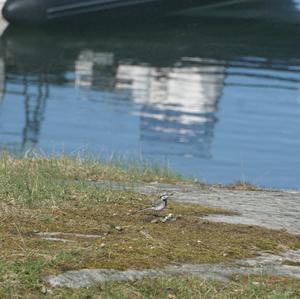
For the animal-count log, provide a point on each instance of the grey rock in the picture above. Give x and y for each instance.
(263, 264)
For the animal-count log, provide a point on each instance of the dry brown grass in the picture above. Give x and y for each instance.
(243, 186)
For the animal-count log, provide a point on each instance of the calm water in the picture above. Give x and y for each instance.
(219, 100)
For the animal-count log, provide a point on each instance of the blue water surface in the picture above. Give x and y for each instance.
(216, 99)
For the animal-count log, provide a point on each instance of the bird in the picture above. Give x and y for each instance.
(158, 205)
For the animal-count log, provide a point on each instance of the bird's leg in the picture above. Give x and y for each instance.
(155, 214)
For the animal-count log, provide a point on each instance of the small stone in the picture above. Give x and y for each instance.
(203, 222)
(102, 245)
(170, 217)
(44, 290)
(256, 283)
(154, 220)
(10, 276)
(118, 228)
(35, 231)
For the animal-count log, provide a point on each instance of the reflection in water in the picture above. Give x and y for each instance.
(92, 69)
(284, 10)
(35, 91)
(178, 104)
(35, 104)
(158, 94)
(2, 78)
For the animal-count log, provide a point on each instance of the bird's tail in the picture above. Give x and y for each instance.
(141, 210)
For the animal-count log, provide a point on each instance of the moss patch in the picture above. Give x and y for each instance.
(291, 263)
(129, 240)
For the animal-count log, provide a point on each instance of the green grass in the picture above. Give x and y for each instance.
(64, 167)
(38, 180)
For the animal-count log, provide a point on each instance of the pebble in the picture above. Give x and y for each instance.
(170, 217)
(154, 220)
(44, 290)
(256, 283)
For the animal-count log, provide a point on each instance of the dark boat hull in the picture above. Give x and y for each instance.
(49, 11)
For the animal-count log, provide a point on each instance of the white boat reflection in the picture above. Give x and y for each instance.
(178, 104)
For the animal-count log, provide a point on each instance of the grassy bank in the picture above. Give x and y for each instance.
(54, 195)
(64, 167)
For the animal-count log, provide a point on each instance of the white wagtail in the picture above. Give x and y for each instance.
(158, 205)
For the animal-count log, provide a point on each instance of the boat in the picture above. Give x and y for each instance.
(52, 11)
(45, 11)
